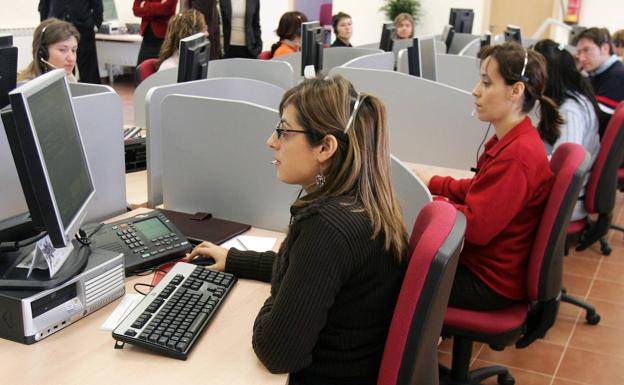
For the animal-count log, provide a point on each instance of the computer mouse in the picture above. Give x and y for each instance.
(203, 261)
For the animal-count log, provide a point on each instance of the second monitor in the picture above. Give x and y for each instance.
(194, 56)
(311, 46)
(421, 57)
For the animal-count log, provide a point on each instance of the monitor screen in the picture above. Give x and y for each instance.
(447, 36)
(194, 57)
(387, 37)
(53, 167)
(461, 20)
(513, 33)
(311, 46)
(8, 68)
(421, 58)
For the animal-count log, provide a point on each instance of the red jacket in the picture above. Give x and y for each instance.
(503, 204)
(155, 13)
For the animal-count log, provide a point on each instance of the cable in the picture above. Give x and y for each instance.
(19, 244)
(476, 169)
(142, 284)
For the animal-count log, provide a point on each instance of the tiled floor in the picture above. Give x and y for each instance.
(573, 352)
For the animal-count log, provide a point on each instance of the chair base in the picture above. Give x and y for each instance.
(475, 377)
(591, 316)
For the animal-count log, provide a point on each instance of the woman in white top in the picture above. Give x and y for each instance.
(241, 28)
(182, 25)
(574, 95)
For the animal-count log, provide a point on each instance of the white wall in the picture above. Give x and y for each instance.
(602, 13)
(367, 19)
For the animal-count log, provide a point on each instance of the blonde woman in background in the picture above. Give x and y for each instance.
(180, 26)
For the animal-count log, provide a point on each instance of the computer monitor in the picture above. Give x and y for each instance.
(574, 32)
(387, 37)
(447, 36)
(461, 20)
(421, 58)
(311, 46)
(52, 167)
(194, 57)
(485, 41)
(8, 68)
(513, 33)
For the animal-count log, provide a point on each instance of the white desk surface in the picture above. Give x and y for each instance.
(136, 189)
(84, 354)
(124, 38)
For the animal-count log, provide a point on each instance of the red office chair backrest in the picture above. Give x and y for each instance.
(410, 354)
(569, 163)
(602, 184)
(325, 17)
(147, 68)
(265, 55)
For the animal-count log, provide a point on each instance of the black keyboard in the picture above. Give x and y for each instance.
(170, 319)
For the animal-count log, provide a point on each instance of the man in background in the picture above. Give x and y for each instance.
(86, 16)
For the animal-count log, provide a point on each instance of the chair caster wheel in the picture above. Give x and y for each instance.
(592, 318)
(505, 379)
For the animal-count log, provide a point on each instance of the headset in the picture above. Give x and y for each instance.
(42, 51)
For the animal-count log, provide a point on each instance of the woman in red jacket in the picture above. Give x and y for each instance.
(504, 201)
(155, 15)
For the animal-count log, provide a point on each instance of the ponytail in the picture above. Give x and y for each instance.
(550, 120)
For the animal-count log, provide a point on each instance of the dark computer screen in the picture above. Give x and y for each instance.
(311, 46)
(461, 20)
(53, 167)
(447, 36)
(387, 37)
(413, 58)
(485, 41)
(513, 33)
(194, 56)
(8, 68)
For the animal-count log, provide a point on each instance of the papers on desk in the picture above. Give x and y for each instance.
(128, 302)
(250, 242)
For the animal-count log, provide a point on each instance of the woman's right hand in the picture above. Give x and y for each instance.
(218, 253)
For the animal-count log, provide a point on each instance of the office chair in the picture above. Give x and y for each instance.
(599, 199)
(265, 55)
(410, 355)
(523, 322)
(145, 69)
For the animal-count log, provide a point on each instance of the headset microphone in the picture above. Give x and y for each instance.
(474, 111)
(48, 63)
(273, 162)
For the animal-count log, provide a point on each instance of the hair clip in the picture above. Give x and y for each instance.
(356, 107)
(561, 47)
(524, 67)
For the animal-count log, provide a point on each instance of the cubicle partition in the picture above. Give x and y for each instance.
(458, 71)
(253, 91)
(100, 121)
(460, 40)
(410, 191)
(294, 59)
(337, 56)
(218, 162)
(430, 123)
(275, 72)
(84, 89)
(160, 78)
(375, 61)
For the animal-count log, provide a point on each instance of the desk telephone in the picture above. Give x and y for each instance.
(146, 240)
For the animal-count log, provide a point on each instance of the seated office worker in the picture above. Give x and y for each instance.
(342, 25)
(155, 15)
(336, 277)
(54, 45)
(504, 201)
(289, 33)
(606, 71)
(182, 25)
(573, 94)
(404, 26)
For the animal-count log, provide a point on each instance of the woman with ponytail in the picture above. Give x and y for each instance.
(504, 201)
(336, 277)
(289, 33)
(573, 93)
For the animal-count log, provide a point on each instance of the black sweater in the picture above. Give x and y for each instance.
(609, 89)
(333, 292)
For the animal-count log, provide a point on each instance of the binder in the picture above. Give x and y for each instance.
(199, 227)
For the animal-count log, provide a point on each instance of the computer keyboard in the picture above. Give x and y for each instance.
(170, 319)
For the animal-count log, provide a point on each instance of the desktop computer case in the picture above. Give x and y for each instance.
(29, 316)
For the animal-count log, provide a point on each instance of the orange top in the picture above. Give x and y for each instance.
(284, 49)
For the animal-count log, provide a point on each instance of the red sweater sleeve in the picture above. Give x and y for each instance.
(492, 200)
(454, 189)
(154, 8)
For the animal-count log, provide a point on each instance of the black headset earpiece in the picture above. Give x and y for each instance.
(42, 51)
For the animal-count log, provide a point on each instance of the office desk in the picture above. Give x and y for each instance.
(84, 354)
(442, 171)
(120, 50)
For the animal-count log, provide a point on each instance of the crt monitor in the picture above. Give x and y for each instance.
(447, 36)
(461, 20)
(311, 46)
(194, 56)
(52, 167)
(387, 37)
(8, 68)
(421, 57)
(513, 33)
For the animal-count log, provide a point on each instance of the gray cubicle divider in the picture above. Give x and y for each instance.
(429, 122)
(460, 40)
(160, 78)
(337, 56)
(84, 89)
(249, 90)
(402, 62)
(471, 49)
(294, 59)
(458, 71)
(374, 45)
(377, 61)
(99, 118)
(410, 191)
(271, 71)
(218, 161)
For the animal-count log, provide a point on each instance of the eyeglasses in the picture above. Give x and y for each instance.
(280, 131)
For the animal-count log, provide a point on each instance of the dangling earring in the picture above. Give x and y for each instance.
(320, 179)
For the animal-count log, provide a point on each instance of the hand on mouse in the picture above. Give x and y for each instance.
(218, 253)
